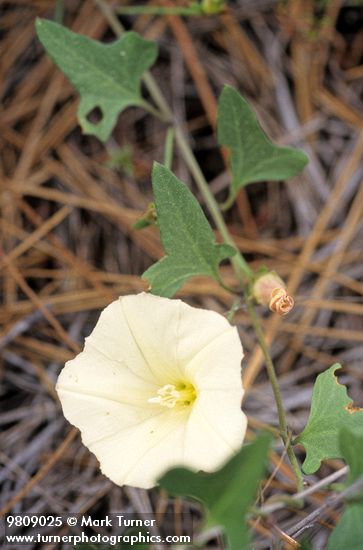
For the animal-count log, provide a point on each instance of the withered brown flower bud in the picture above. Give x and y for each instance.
(270, 290)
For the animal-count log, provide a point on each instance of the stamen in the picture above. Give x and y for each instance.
(170, 395)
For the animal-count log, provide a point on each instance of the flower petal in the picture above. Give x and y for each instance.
(112, 337)
(216, 429)
(202, 439)
(218, 364)
(197, 329)
(92, 373)
(99, 418)
(139, 455)
(154, 323)
(171, 332)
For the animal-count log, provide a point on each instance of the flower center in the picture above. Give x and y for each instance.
(170, 395)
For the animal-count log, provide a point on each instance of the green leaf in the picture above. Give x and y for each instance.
(351, 447)
(107, 76)
(187, 237)
(349, 531)
(253, 156)
(305, 544)
(331, 410)
(226, 494)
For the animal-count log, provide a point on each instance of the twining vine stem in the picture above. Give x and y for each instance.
(243, 272)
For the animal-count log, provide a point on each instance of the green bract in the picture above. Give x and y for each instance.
(187, 237)
(331, 410)
(226, 494)
(107, 76)
(253, 156)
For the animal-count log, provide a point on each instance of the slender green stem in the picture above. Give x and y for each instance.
(169, 146)
(243, 272)
(153, 111)
(232, 290)
(229, 202)
(110, 17)
(276, 390)
(232, 312)
(164, 113)
(269, 365)
(59, 11)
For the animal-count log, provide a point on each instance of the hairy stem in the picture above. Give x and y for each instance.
(276, 391)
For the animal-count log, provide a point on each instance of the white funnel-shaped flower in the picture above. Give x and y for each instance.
(157, 385)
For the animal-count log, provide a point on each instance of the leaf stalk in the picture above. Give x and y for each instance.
(169, 146)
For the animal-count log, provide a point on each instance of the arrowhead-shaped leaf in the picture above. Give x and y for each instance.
(253, 156)
(107, 76)
(226, 494)
(187, 237)
(349, 531)
(331, 410)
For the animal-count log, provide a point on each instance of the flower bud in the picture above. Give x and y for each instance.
(270, 290)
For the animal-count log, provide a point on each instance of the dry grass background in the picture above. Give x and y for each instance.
(68, 248)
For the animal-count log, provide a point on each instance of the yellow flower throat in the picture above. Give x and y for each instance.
(170, 395)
